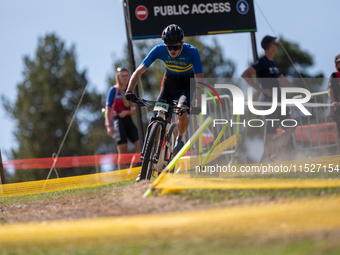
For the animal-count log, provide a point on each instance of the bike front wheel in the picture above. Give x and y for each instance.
(170, 143)
(151, 146)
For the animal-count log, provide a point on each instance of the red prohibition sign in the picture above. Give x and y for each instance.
(141, 12)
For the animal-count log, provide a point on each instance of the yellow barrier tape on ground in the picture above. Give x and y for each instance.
(276, 219)
(329, 164)
(310, 167)
(75, 182)
(190, 162)
(181, 181)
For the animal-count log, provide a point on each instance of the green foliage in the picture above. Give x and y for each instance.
(47, 99)
(213, 61)
(301, 59)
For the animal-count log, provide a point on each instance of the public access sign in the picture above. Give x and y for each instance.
(149, 17)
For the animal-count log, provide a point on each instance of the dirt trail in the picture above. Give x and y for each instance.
(118, 201)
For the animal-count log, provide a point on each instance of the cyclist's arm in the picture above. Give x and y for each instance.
(198, 92)
(135, 77)
(125, 102)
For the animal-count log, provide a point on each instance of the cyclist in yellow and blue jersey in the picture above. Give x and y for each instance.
(182, 62)
(185, 64)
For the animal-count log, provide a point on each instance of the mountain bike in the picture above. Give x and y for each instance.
(160, 137)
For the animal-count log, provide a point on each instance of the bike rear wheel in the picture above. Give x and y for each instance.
(150, 149)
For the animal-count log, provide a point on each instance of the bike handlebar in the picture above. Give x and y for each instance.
(178, 110)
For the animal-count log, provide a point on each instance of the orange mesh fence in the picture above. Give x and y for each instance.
(79, 161)
(66, 162)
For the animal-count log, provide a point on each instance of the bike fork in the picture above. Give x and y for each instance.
(146, 138)
(160, 145)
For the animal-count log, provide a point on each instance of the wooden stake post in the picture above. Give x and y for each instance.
(2, 173)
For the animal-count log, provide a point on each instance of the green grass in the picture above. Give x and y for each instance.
(308, 246)
(56, 194)
(218, 196)
(300, 175)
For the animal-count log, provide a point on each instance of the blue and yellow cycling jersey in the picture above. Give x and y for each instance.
(189, 60)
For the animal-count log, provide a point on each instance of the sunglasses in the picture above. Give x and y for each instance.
(277, 45)
(122, 68)
(175, 48)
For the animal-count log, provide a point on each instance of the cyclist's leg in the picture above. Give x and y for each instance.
(182, 126)
(178, 86)
(165, 95)
(182, 123)
(184, 101)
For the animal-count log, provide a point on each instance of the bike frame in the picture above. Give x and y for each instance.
(164, 118)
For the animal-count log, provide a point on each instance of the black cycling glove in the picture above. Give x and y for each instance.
(130, 96)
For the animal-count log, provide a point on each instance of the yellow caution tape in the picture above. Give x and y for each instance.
(276, 219)
(181, 181)
(75, 182)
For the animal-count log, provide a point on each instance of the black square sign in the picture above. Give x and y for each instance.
(149, 17)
